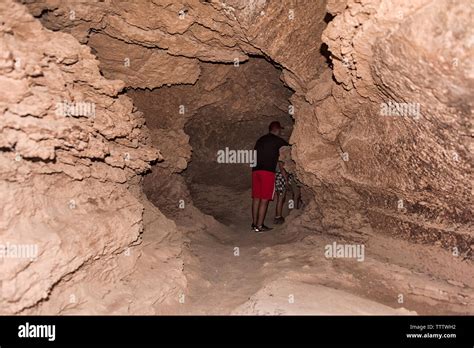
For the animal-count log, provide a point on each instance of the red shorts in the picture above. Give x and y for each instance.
(263, 184)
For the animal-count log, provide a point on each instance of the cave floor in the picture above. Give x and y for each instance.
(232, 270)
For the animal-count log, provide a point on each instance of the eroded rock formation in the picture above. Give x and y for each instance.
(410, 171)
(72, 148)
(370, 168)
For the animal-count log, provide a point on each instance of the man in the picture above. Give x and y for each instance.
(263, 174)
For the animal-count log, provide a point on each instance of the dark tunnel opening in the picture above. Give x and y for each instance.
(222, 114)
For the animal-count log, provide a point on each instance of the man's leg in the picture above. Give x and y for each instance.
(262, 211)
(255, 205)
(256, 195)
(264, 190)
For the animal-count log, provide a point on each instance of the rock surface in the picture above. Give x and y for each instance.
(273, 299)
(72, 146)
(407, 175)
(409, 171)
(370, 168)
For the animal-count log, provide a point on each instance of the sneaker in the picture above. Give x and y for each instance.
(279, 220)
(262, 228)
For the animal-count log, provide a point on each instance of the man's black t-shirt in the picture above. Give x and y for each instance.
(268, 151)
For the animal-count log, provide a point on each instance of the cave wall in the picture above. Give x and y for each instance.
(69, 176)
(405, 176)
(364, 168)
(410, 172)
(149, 37)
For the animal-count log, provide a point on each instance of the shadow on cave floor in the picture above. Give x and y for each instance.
(231, 206)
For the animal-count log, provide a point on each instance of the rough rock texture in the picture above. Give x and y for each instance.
(145, 278)
(404, 176)
(151, 36)
(68, 181)
(211, 31)
(410, 173)
(140, 66)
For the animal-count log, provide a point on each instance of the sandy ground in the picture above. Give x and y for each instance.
(232, 270)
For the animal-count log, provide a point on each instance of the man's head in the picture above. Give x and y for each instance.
(275, 128)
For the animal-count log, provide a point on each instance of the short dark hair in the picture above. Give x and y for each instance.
(274, 125)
